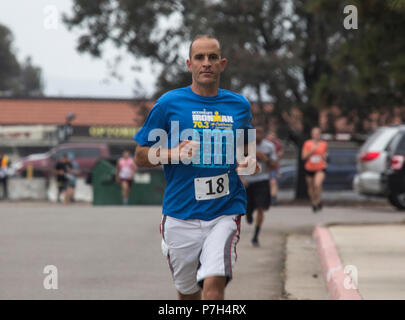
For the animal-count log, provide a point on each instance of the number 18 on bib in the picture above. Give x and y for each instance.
(211, 187)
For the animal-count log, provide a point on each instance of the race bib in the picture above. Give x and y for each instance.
(316, 159)
(211, 187)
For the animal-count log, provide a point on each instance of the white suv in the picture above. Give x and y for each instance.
(372, 161)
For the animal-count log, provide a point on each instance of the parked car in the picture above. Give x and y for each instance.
(339, 173)
(86, 155)
(393, 178)
(372, 161)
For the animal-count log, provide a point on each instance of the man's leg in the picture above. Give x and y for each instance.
(5, 188)
(181, 244)
(67, 194)
(59, 192)
(72, 196)
(250, 208)
(258, 225)
(262, 201)
(274, 188)
(193, 296)
(218, 255)
(214, 288)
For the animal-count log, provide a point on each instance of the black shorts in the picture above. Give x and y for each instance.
(258, 196)
(129, 181)
(312, 173)
(62, 185)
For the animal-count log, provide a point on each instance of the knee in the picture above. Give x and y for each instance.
(318, 187)
(214, 288)
(213, 294)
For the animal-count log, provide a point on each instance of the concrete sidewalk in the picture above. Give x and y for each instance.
(373, 256)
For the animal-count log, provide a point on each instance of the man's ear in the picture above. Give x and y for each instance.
(223, 63)
(188, 63)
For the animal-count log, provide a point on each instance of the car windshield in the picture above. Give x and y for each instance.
(371, 139)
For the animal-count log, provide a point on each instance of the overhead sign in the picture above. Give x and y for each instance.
(103, 132)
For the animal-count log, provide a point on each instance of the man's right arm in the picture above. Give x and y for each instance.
(142, 157)
(144, 154)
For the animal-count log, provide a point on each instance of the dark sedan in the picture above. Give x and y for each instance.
(393, 178)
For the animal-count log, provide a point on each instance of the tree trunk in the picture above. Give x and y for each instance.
(300, 184)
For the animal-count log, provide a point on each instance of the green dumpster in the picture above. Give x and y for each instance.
(147, 188)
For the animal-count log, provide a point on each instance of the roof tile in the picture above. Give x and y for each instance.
(54, 111)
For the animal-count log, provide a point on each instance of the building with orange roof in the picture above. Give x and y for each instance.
(36, 124)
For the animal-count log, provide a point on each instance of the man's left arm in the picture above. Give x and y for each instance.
(248, 165)
(246, 157)
(272, 158)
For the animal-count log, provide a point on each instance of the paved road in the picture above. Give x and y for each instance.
(114, 252)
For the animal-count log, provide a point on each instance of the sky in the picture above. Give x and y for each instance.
(40, 33)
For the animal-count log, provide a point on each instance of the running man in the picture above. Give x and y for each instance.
(61, 169)
(4, 164)
(71, 176)
(203, 201)
(275, 173)
(124, 174)
(258, 186)
(314, 153)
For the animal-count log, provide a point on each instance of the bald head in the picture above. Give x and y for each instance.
(202, 36)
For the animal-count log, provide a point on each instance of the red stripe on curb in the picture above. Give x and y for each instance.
(332, 267)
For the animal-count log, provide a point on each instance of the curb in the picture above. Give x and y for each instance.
(332, 267)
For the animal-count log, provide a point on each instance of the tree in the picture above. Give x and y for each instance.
(143, 29)
(296, 53)
(30, 80)
(365, 64)
(17, 79)
(9, 67)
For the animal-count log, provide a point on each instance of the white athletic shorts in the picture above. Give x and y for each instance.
(197, 249)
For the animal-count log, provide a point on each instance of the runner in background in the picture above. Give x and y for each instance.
(257, 186)
(124, 174)
(71, 176)
(314, 153)
(275, 173)
(61, 169)
(4, 164)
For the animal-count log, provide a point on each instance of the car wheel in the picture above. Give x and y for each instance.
(397, 200)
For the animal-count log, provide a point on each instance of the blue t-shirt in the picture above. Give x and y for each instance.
(226, 112)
